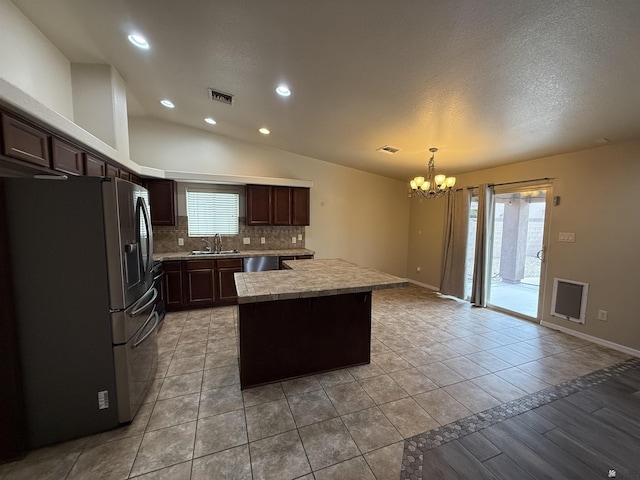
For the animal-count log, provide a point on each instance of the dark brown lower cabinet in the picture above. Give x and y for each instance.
(173, 291)
(200, 283)
(225, 270)
(285, 259)
(290, 338)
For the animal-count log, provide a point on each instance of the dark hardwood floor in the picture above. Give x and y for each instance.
(582, 436)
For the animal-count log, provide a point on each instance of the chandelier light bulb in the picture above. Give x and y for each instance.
(431, 185)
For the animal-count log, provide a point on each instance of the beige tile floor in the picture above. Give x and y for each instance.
(434, 360)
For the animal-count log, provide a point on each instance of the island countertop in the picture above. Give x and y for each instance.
(312, 278)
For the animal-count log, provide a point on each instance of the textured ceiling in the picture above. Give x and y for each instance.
(487, 82)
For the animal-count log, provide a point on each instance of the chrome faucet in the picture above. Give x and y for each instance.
(217, 243)
(208, 244)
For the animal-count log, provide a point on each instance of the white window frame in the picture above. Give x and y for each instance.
(207, 218)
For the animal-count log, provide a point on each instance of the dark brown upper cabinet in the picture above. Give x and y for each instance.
(111, 171)
(281, 205)
(67, 158)
(300, 206)
(94, 167)
(25, 142)
(136, 179)
(258, 205)
(32, 147)
(268, 205)
(163, 201)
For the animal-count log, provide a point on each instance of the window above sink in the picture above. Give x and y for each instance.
(211, 212)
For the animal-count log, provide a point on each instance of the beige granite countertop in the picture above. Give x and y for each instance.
(164, 257)
(312, 278)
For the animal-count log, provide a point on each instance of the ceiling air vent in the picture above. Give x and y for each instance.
(220, 96)
(388, 149)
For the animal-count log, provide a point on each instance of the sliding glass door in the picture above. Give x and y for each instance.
(518, 245)
(516, 242)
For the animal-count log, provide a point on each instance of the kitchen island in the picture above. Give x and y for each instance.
(311, 318)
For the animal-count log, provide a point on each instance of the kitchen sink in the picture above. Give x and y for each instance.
(207, 252)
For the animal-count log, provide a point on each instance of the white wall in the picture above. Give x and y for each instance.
(29, 61)
(99, 88)
(355, 215)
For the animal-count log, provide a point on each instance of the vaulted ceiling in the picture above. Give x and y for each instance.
(488, 83)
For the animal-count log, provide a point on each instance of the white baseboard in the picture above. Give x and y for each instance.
(425, 285)
(599, 341)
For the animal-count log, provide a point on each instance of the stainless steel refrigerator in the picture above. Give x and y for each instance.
(81, 259)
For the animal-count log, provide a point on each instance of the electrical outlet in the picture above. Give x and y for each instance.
(181, 242)
(299, 236)
(246, 240)
(263, 240)
(293, 239)
(418, 269)
(602, 315)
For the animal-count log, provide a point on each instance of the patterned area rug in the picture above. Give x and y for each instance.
(414, 447)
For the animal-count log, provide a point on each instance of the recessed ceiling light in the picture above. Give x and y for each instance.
(210, 121)
(139, 41)
(167, 103)
(264, 131)
(283, 91)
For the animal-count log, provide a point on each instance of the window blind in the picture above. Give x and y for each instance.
(212, 212)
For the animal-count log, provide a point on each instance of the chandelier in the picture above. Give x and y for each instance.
(433, 186)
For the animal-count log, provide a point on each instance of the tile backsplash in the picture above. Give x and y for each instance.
(165, 239)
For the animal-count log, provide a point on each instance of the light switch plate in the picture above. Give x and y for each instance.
(567, 237)
(181, 242)
(299, 236)
(293, 239)
(246, 240)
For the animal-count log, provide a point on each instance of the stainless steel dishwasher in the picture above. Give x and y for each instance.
(260, 264)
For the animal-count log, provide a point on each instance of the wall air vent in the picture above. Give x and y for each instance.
(569, 300)
(388, 149)
(220, 96)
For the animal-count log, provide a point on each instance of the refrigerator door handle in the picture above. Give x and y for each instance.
(141, 207)
(151, 330)
(146, 305)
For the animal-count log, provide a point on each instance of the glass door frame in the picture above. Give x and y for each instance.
(520, 188)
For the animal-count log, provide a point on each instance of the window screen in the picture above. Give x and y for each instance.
(212, 212)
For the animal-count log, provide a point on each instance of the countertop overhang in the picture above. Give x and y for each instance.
(312, 278)
(166, 257)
